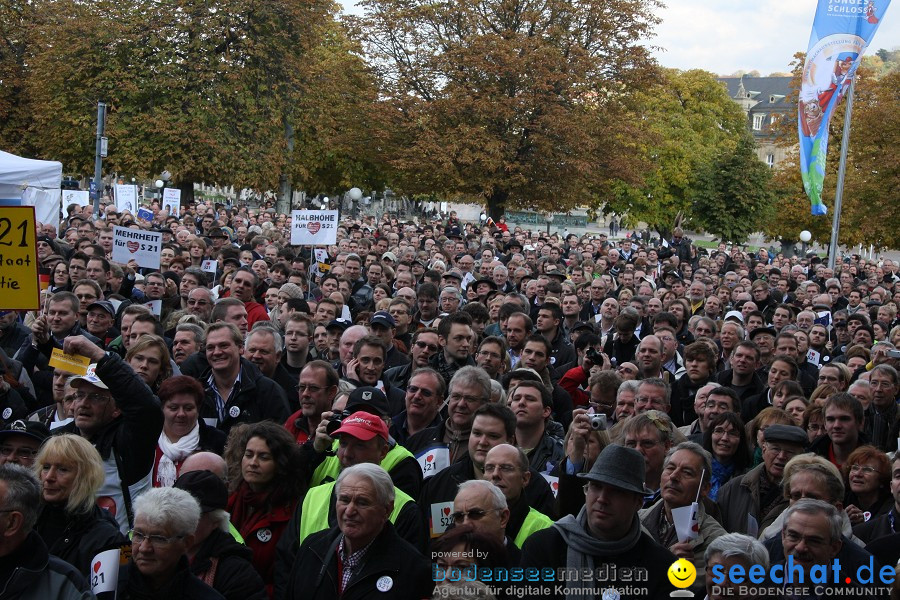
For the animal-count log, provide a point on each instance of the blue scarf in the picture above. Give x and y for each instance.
(721, 474)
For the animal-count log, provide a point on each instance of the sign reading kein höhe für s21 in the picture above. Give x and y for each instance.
(314, 227)
(19, 288)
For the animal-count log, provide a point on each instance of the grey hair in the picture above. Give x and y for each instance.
(501, 269)
(738, 545)
(378, 477)
(221, 518)
(808, 506)
(23, 493)
(483, 484)
(631, 385)
(266, 329)
(661, 384)
(697, 449)
(169, 507)
(497, 390)
(473, 376)
(453, 290)
(740, 329)
(196, 330)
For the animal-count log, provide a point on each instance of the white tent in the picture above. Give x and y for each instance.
(32, 182)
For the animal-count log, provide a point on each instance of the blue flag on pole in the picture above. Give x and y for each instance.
(840, 34)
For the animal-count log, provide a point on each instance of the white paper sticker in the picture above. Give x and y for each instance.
(554, 483)
(384, 584)
(434, 460)
(440, 517)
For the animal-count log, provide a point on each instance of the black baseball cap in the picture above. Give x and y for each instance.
(206, 487)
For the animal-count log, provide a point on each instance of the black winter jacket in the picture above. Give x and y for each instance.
(258, 399)
(78, 538)
(234, 577)
(37, 575)
(183, 585)
(392, 569)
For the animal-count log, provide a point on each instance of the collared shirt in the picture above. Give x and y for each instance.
(220, 402)
(350, 563)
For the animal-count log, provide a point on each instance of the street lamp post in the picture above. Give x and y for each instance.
(805, 236)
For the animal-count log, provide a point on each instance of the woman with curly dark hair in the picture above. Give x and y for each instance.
(269, 479)
(726, 439)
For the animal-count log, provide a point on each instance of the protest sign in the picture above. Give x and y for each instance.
(314, 227)
(70, 363)
(19, 284)
(142, 246)
(145, 214)
(172, 201)
(126, 198)
(209, 266)
(79, 197)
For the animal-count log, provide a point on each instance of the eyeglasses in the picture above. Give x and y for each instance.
(865, 469)
(21, 453)
(431, 347)
(315, 389)
(476, 514)
(494, 355)
(489, 468)
(96, 398)
(412, 389)
(796, 538)
(466, 399)
(157, 541)
(727, 432)
(776, 450)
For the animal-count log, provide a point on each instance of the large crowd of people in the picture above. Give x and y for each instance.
(439, 397)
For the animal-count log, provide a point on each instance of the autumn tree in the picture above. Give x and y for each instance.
(734, 193)
(512, 103)
(872, 179)
(691, 120)
(219, 93)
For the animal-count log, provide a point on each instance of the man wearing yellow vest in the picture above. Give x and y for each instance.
(362, 438)
(507, 468)
(399, 462)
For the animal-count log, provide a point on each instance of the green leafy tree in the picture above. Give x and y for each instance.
(523, 104)
(734, 193)
(691, 121)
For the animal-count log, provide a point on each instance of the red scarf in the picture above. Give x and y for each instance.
(248, 508)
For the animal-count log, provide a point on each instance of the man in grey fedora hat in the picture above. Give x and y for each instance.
(605, 538)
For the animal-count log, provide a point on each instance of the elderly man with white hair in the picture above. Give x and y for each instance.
(725, 552)
(362, 557)
(165, 521)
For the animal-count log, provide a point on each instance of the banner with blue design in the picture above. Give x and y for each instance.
(841, 32)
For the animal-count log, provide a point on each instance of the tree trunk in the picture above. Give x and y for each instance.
(283, 205)
(187, 193)
(497, 204)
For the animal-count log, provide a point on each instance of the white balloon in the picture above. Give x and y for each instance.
(805, 236)
(355, 193)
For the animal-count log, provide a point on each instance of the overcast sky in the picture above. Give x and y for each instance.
(724, 36)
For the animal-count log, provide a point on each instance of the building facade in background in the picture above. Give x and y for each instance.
(765, 101)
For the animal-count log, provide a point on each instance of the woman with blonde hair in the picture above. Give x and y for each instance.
(149, 357)
(71, 524)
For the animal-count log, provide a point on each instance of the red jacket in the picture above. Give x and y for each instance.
(261, 530)
(572, 382)
(255, 312)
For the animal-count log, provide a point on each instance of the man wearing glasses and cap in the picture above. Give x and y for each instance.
(606, 533)
(20, 442)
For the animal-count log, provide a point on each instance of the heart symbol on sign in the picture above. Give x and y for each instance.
(446, 510)
(429, 458)
(313, 227)
(133, 247)
(555, 485)
(97, 567)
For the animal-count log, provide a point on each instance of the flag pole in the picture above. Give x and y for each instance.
(842, 167)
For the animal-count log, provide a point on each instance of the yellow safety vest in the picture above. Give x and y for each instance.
(318, 502)
(534, 521)
(331, 466)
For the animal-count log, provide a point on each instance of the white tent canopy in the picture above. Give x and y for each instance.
(32, 183)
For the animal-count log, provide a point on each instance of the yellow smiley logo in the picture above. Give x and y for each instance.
(682, 573)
